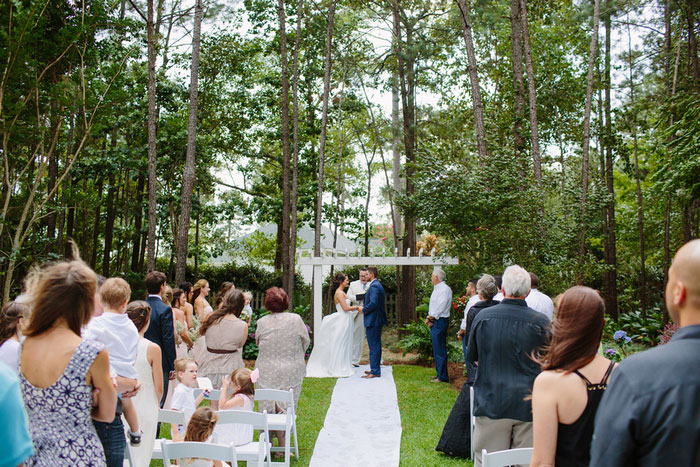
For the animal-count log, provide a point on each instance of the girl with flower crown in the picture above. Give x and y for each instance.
(242, 384)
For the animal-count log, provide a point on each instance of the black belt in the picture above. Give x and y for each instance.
(220, 351)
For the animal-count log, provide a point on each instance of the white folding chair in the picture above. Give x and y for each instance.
(471, 420)
(197, 450)
(213, 393)
(286, 422)
(255, 452)
(129, 454)
(505, 458)
(204, 383)
(173, 417)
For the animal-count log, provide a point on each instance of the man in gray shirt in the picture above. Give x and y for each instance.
(650, 413)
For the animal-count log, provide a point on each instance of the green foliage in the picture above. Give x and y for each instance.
(643, 331)
(418, 340)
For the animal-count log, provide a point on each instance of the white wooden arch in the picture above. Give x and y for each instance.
(334, 260)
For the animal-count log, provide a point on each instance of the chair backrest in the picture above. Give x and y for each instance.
(197, 450)
(471, 420)
(505, 458)
(257, 420)
(276, 395)
(213, 394)
(174, 417)
(204, 383)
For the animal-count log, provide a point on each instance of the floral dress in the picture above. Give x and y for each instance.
(59, 416)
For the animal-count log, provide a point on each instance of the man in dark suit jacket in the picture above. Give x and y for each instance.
(375, 317)
(160, 330)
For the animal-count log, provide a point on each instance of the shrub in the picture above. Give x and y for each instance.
(418, 340)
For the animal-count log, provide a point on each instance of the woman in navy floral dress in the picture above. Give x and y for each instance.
(59, 370)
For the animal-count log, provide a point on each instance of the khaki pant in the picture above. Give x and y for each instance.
(500, 434)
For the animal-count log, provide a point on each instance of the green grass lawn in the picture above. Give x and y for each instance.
(424, 409)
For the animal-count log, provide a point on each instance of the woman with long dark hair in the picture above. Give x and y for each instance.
(574, 376)
(225, 335)
(332, 353)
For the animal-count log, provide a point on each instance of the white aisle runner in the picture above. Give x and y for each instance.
(363, 424)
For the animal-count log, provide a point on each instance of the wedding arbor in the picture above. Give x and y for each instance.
(317, 262)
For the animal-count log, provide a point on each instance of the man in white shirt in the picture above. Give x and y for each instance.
(356, 294)
(473, 299)
(439, 320)
(537, 300)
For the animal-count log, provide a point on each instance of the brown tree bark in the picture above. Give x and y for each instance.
(586, 138)
(407, 299)
(96, 225)
(109, 227)
(189, 173)
(287, 274)
(532, 95)
(138, 219)
(518, 83)
(295, 161)
(611, 300)
(640, 207)
(324, 128)
(152, 182)
(477, 105)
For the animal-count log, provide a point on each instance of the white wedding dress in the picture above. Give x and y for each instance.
(332, 353)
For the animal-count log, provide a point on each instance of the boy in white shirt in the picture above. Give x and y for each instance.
(117, 332)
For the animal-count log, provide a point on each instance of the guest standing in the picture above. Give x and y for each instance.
(59, 370)
(150, 371)
(649, 413)
(202, 308)
(225, 335)
(160, 329)
(574, 376)
(438, 321)
(15, 442)
(502, 340)
(282, 340)
(455, 440)
(537, 300)
(11, 324)
(463, 334)
(183, 343)
(187, 307)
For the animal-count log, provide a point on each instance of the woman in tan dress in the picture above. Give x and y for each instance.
(282, 340)
(225, 335)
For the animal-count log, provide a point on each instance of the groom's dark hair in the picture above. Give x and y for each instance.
(373, 270)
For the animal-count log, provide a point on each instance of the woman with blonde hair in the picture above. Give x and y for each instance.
(202, 308)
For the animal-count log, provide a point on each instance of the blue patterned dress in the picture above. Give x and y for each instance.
(59, 416)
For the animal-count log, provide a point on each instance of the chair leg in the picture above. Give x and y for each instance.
(296, 443)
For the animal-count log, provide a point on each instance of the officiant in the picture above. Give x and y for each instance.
(356, 294)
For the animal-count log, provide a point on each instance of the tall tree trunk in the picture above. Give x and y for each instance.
(396, 156)
(295, 162)
(407, 308)
(671, 85)
(479, 126)
(189, 174)
(324, 128)
(532, 94)
(96, 225)
(109, 226)
(518, 83)
(611, 300)
(287, 274)
(138, 217)
(586, 138)
(152, 182)
(693, 45)
(640, 207)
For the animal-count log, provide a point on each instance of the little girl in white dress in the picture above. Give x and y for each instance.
(242, 382)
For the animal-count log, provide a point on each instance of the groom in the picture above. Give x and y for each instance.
(374, 311)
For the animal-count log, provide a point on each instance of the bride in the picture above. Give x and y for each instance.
(332, 353)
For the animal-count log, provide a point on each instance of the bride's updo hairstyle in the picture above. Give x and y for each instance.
(339, 279)
(64, 290)
(276, 300)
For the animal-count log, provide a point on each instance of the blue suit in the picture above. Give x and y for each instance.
(374, 311)
(160, 331)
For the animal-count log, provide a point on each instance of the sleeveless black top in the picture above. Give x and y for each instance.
(574, 440)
